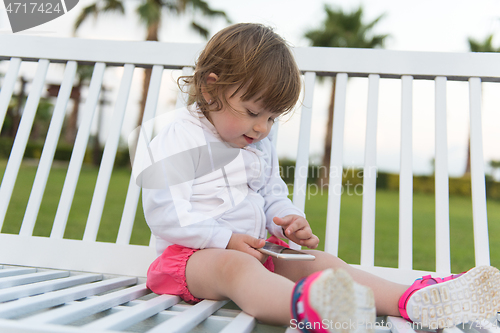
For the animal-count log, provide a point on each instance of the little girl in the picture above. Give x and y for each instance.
(220, 193)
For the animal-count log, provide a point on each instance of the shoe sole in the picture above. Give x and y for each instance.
(471, 297)
(344, 305)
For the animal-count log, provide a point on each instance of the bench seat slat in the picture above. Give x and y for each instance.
(12, 281)
(190, 318)
(16, 271)
(243, 323)
(31, 304)
(399, 325)
(46, 286)
(73, 312)
(132, 315)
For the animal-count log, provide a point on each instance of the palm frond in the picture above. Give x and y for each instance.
(97, 8)
(199, 29)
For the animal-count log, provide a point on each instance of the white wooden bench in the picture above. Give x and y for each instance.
(52, 284)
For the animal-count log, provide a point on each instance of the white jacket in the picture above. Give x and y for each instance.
(200, 190)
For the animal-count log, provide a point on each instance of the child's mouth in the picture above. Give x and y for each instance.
(249, 139)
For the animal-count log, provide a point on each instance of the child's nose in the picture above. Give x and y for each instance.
(260, 126)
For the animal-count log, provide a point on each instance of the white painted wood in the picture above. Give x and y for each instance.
(8, 84)
(443, 259)
(405, 260)
(75, 164)
(400, 325)
(478, 187)
(190, 318)
(356, 62)
(124, 259)
(13, 293)
(16, 271)
(23, 132)
(13, 326)
(49, 149)
(302, 162)
(108, 157)
(370, 175)
(132, 315)
(243, 323)
(336, 167)
(8, 282)
(96, 257)
(34, 303)
(141, 53)
(75, 311)
(130, 207)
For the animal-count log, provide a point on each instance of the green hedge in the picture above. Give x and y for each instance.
(63, 152)
(389, 181)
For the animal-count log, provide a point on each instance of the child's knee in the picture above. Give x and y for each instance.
(232, 263)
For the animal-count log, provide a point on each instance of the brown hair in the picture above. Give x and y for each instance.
(252, 57)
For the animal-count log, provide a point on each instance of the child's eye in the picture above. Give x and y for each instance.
(251, 114)
(272, 120)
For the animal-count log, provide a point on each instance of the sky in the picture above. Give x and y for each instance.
(435, 26)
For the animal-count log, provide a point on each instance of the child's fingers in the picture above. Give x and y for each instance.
(282, 221)
(304, 233)
(311, 243)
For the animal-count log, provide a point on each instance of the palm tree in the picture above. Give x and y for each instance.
(341, 29)
(478, 46)
(151, 13)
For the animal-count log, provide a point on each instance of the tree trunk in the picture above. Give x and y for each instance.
(324, 170)
(467, 165)
(70, 131)
(16, 119)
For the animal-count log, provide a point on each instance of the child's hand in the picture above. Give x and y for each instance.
(247, 244)
(297, 229)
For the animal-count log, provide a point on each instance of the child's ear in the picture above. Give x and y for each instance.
(211, 78)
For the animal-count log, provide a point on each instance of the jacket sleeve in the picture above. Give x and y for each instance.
(275, 193)
(166, 201)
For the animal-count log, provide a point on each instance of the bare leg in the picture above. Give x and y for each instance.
(386, 293)
(221, 274)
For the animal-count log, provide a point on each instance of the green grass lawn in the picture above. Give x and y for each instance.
(386, 238)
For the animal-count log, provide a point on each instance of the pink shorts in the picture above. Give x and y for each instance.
(167, 274)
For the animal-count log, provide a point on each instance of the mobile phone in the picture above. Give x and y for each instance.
(282, 252)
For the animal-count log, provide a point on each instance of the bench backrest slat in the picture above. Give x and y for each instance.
(481, 243)
(22, 137)
(133, 193)
(48, 152)
(78, 154)
(8, 87)
(405, 259)
(443, 262)
(108, 158)
(370, 175)
(302, 161)
(336, 166)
